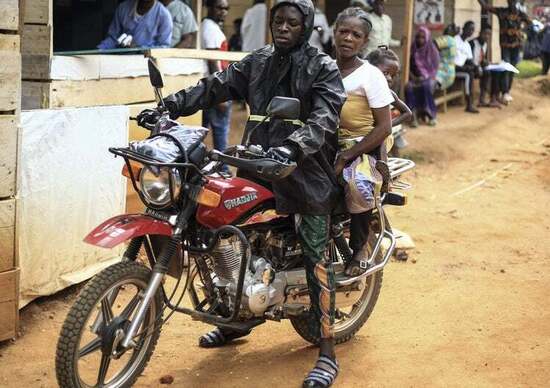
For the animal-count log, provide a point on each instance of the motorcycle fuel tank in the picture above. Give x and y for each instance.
(238, 196)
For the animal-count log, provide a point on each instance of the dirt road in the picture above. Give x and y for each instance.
(470, 307)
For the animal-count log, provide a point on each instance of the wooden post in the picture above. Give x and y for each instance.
(36, 52)
(199, 22)
(408, 30)
(268, 37)
(10, 106)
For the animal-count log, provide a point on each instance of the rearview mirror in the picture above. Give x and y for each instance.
(155, 76)
(285, 108)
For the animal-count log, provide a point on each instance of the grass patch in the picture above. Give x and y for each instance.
(529, 68)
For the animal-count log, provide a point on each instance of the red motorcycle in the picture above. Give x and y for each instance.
(238, 261)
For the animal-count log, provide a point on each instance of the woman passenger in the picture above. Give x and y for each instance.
(365, 122)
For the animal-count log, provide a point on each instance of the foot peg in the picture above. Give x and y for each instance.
(395, 199)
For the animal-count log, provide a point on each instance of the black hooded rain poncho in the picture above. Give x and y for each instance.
(303, 73)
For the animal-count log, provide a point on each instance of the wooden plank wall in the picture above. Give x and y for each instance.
(466, 10)
(10, 101)
(36, 50)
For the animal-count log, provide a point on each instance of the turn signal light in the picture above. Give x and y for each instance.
(136, 169)
(209, 198)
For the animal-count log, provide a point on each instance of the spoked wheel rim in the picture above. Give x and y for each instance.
(99, 344)
(349, 318)
(345, 319)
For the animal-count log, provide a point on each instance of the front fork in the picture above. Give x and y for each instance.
(159, 271)
(160, 268)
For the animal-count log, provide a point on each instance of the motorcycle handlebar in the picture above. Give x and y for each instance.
(264, 167)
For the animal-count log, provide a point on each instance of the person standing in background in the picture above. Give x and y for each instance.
(381, 28)
(510, 20)
(363, 4)
(236, 40)
(545, 48)
(213, 38)
(321, 30)
(184, 31)
(146, 22)
(253, 27)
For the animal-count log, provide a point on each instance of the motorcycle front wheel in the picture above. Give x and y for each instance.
(347, 323)
(88, 350)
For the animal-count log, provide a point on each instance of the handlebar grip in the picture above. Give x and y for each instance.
(266, 168)
(133, 118)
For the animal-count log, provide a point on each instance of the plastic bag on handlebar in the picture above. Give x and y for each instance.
(167, 146)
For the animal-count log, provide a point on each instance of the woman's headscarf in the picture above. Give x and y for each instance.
(426, 58)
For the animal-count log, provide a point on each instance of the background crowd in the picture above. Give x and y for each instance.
(455, 59)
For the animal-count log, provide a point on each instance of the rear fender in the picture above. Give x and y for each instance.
(122, 228)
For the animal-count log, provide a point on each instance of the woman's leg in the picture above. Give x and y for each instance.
(428, 90)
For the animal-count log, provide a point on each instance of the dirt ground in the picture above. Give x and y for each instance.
(470, 307)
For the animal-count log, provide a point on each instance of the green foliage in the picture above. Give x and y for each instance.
(529, 68)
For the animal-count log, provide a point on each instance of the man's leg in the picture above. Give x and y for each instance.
(468, 75)
(545, 62)
(220, 120)
(484, 87)
(496, 82)
(313, 232)
(515, 56)
(506, 57)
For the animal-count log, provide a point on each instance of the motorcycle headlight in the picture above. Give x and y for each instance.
(156, 182)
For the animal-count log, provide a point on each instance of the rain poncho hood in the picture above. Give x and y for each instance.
(303, 73)
(306, 8)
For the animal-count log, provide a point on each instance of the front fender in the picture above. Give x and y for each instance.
(122, 228)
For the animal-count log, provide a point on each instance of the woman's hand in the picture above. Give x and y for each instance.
(222, 107)
(342, 161)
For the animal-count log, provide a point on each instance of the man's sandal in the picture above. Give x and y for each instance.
(323, 374)
(219, 337)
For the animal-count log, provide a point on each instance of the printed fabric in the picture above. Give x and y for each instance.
(446, 71)
(363, 183)
(510, 20)
(313, 232)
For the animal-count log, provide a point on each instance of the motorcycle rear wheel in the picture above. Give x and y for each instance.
(115, 292)
(307, 326)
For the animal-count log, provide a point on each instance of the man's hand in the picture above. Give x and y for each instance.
(171, 105)
(148, 118)
(283, 154)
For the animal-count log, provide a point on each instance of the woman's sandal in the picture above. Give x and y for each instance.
(323, 374)
(356, 267)
(219, 337)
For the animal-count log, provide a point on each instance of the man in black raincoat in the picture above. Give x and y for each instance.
(290, 68)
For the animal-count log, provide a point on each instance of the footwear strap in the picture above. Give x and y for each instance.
(324, 373)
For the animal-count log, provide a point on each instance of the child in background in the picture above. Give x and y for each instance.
(388, 62)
